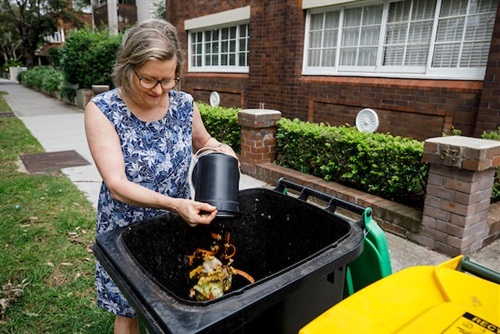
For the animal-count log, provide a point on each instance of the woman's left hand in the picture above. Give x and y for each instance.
(194, 213)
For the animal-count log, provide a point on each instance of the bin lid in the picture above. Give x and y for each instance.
(418, 299)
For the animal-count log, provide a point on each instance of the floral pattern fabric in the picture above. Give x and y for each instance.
(157, 156)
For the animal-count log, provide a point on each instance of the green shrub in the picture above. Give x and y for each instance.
(43, 78)
(20, 76)
(492, 135)
(303, 146)
(53, 82)
(68, 93)
(222, 123)
(377, 163)
(87, 58)
(54, 57)
(11, 63)
(31, 77)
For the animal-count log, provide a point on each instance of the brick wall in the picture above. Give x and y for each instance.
(489, 107)
(416, 108)
(413, 108)
(231, 87)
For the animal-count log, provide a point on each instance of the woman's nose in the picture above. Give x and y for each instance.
(158, 89)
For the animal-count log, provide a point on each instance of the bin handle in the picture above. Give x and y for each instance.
(305, 192)
(480, 271)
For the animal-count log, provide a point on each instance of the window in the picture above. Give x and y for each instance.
(54, 38)
(219, 42)
(406, 38)
(222, 49)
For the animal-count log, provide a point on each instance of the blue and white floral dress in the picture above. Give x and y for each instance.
(157, 156)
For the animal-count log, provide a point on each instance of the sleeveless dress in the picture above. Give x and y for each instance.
(157, 156)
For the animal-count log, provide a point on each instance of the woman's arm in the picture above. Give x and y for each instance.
(105, 148)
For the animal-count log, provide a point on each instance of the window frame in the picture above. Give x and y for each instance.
(424, 72)
(219, 68)
(235, 18)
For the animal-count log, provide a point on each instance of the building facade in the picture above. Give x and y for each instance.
(425, 67)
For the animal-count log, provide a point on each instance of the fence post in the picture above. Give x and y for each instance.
(258, 138)
(459, 187)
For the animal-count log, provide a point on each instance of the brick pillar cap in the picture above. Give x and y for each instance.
(261, 112)
(466, 142)
(468, 153)
(258, 118)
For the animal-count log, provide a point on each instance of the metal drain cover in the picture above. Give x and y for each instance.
(41, 162)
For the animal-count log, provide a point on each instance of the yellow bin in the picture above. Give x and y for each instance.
(422, 299)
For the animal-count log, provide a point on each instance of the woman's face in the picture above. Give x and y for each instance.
(147, 90)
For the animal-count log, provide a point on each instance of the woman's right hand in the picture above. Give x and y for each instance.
(194, 213)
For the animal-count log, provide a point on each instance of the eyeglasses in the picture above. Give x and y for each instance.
(150, 83)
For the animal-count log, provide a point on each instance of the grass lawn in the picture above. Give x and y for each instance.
(47, 228)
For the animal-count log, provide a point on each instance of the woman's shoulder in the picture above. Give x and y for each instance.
(110, 98)
(181, 100)
(109, 95)
(181, 105)
(180, 95)
(109, 102)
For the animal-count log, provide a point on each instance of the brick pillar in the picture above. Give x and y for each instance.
(459, 187)
(258, 138)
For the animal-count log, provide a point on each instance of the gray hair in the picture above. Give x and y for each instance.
(152, 39)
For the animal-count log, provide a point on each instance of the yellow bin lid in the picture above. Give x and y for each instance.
(422, 299)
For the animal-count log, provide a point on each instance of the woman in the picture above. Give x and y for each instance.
(141, 136)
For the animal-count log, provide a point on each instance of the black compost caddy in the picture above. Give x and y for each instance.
(296, 251)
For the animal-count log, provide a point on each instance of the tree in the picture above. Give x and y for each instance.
(10, 43)
(35, 19)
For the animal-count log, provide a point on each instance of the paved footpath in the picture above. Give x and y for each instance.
(58, 126)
